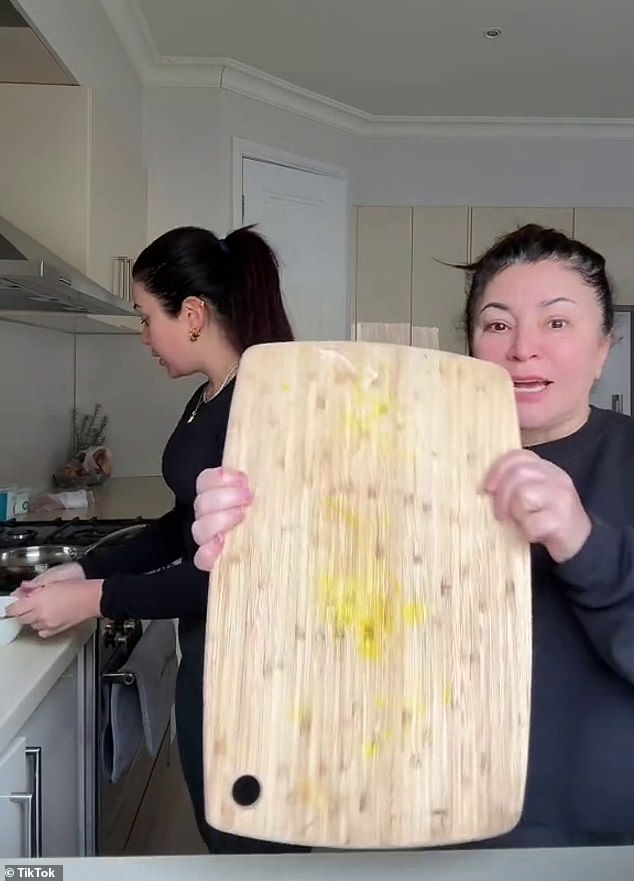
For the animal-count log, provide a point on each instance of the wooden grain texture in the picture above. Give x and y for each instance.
(425, 337)
(368, 644)
(375, 332)
(400, 334)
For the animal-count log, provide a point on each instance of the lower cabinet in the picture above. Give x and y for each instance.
(42, 776)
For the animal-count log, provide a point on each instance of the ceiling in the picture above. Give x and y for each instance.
(416, 58)
(24, 57)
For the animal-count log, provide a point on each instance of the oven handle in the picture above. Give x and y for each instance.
(126, 678)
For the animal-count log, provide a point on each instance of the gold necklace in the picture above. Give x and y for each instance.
(203, 399)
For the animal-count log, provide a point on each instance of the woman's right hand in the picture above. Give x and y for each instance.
(223, 496)
(63, 572)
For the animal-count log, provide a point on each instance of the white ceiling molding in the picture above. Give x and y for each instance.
(224, 73)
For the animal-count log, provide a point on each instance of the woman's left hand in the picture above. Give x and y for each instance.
(541, 500)
(51, 608)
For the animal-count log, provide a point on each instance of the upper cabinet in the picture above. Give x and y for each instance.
(487, 224)
(611, 231)
(45, 166)
(69, 179)
(384, 265)
(117, 198)
(440, 237)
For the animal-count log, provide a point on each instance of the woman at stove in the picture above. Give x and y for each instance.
(202, 301)
(540, 305)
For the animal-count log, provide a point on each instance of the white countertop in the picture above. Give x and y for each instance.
(29, 667)
(118, 498)
(573, 864)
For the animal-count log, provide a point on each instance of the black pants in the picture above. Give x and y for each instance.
(189, 730)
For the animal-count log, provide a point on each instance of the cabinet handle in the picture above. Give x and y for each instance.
(617, 403)
(33, 802)
(26, 798)
(34, 753)
(121, 277)
(128, 279)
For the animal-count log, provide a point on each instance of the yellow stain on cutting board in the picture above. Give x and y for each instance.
(448, 695)
(367, 603)
(370, 407)
(373, 748)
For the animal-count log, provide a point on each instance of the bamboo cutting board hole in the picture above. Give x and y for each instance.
(246, 791)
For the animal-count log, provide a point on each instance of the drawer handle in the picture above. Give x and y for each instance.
(26, 798)
(33, 802)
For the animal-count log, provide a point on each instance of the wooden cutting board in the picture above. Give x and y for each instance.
(368, 656)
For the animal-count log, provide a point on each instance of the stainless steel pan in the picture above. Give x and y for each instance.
(21, 564)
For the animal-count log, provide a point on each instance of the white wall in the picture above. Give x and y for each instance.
(38, 394)
(37, 400)
(188, 150)
(143, 404)
(548, 172)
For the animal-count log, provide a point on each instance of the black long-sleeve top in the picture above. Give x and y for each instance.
(581, 757)
(140, 578)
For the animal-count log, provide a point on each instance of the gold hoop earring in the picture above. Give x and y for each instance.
(194, 333)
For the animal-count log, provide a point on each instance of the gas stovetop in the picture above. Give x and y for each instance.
(16, 533)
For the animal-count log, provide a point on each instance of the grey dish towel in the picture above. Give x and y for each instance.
(141, 711)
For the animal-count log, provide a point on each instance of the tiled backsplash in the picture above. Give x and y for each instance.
(141, 401)
(37, 392)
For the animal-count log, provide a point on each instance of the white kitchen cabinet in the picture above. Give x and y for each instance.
(488, 223)
(16, 802)
(52, 733)
(45, 166)
(611, 231)
(384, 265)
(117, 197)
(69, 179)
(440, 236)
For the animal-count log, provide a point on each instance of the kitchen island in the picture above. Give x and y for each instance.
(570, 864)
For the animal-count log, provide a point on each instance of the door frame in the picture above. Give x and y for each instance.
(244, 149)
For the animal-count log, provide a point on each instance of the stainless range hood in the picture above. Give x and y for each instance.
(34, 280)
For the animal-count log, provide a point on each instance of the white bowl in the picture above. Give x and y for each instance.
(9, 627)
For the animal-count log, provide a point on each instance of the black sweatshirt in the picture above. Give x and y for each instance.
(580, 785)
(170, 591)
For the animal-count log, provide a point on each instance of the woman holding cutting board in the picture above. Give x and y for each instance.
(202, 301)
(540, 305)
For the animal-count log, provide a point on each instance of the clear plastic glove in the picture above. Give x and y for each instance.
(223, 496)
(63, 572)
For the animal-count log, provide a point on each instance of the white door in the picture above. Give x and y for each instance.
(614, 390)
(304, 217)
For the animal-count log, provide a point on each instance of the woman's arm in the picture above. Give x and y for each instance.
(600, 587)
(593, 560)
(159, 544)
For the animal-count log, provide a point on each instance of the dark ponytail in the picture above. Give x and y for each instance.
(238, 277)
(253, 310)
